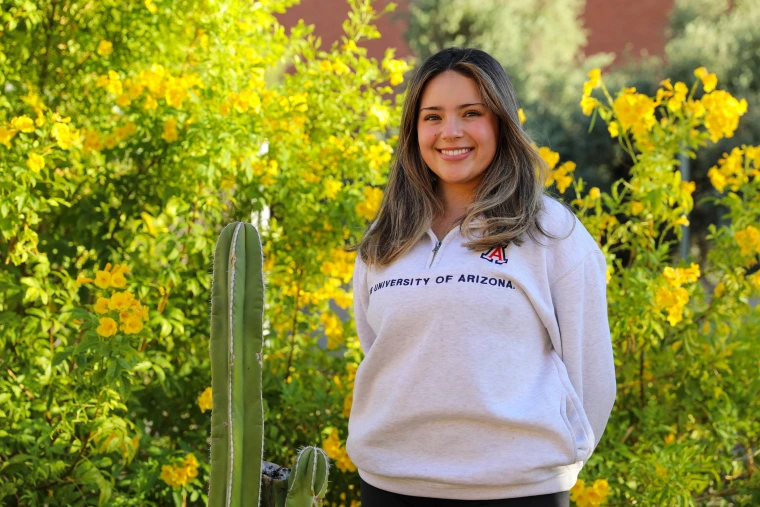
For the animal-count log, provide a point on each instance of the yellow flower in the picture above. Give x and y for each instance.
(123, 100)
(636, 207)
(682, 220)
(594, 193)
(92, 141)
(332, 187)
(729, 171)
(396, 68)
(118, 280)
(550, 157)
(595, 77)
(367, 208)
(593, 497)
(634, 111)
(709, 81)
(723, 112)
(149, 5)
(521, 116)
(170, 130)
(6, 135)
(754, 280)
(103, 279)
(347, 403)
(381, 113)
(174, 476)
(602, 487)
(577, 489)
(588, 104)
(298, 102)
(340, 68)
(112, 82)
(105, 48)
(120, 300)
(102, 305)
(35, 162)
(717, 179)
(63, 134)
(107, 327)
(561, 176)
(670, 438)
(680, 90)
(83, 280)
(132, 324)
(335, 451)
(126, 130)
(175, 95)
(350, 46)
(150, 103)
(190, 464)
(696, 108)
(613, 129)
(325, 66)
(205, 400)
(23, 123)
(748, 240)
(378, 154)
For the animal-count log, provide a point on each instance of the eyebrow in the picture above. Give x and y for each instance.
(439, 108)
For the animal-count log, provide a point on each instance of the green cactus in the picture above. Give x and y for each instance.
(239, 476)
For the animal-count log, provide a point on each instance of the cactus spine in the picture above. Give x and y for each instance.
(239, 477)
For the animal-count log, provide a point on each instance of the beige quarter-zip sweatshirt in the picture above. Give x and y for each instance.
(486, 374)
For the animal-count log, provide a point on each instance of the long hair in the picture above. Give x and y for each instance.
(509, 198)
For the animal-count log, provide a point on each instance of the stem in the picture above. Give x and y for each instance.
(293, 330)
(81, 450)
(641, 378)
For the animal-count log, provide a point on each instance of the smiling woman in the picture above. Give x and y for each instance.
(457, 136)
(463, 159)
(488, 370)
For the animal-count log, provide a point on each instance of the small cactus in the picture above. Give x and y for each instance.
(239, 476)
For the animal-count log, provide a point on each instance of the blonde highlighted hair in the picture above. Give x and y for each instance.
(509, 198)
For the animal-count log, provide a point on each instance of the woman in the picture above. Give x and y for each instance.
(488, 375)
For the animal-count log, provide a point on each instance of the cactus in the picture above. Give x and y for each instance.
(239, 476)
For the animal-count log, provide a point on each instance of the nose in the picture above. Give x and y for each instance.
(451, 128)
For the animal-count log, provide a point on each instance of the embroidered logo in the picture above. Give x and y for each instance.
(497, 255)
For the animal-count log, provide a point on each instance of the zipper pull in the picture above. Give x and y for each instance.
(437, 246)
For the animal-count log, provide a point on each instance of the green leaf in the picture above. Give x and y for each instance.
(62, 356)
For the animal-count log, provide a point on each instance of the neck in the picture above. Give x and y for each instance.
(456, 199)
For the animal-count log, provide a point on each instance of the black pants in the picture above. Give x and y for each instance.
(375, 497)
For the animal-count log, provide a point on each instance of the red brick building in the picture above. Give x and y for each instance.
(613, 24)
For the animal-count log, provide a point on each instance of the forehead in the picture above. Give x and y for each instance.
(450, 89)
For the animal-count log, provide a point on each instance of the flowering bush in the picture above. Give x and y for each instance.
(124, 156)
(684, 429)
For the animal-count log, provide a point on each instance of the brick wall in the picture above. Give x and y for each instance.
(613, 24)
(327, 16)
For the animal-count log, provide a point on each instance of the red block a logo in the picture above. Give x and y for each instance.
(497, 255)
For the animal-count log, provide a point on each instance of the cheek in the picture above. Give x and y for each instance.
(425, 138)
(485, 135)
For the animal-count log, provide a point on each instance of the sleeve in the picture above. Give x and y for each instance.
(580, 304)
(361, 301)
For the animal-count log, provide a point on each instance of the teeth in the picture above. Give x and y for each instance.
(455, 152)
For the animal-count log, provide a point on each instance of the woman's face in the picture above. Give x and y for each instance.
(457, 134)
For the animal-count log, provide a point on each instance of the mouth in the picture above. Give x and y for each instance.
(455, 154)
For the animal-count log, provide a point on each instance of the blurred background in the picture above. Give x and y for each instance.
(548, 46)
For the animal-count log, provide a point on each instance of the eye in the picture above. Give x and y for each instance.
(431, 117)
(475, 113)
